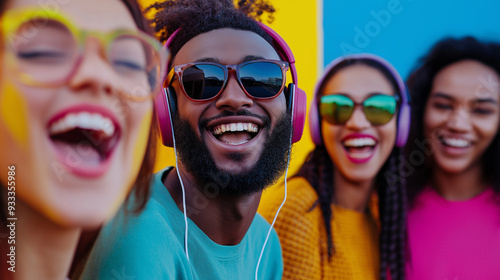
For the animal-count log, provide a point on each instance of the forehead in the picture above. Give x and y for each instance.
(358, 80)
(87, 14)
(227, 46)
(468, 79)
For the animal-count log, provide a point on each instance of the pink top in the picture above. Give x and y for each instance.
(454, 240)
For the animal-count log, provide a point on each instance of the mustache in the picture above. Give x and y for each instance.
(265, 119)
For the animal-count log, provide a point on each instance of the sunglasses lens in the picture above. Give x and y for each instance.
(45, 50)
(336, 109)
(262, 79)
(203, 81)
(379, 109)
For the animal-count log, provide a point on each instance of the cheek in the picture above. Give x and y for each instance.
(488, 128)
(194, 113)
(432, 120)
(277, 107)
(13, 113)
(329, 133)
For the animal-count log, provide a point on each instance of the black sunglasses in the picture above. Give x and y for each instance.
(204, 81)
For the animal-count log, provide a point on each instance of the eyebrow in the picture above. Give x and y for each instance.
(215, 60)
(485, 100)
(207, 59)
(442, 95)
(477, 100)
(252, 57)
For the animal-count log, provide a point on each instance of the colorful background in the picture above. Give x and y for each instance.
(399, 30)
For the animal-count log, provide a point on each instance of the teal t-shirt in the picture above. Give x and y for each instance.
(151, 246)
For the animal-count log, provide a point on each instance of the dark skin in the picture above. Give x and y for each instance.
(228, 219)
(224, 219)
(461, 109)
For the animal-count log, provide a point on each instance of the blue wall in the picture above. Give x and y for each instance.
(402, 31)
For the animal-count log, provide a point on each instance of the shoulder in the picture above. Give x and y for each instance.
(301, 198)
(258, 230)
(140, 246)
(301, 193)
(299, 219)
(428, 196)
(271, 265)
(299, 225)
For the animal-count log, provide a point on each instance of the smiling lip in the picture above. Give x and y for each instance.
(71, 160)
(362, 159)
(454, 145)
(243, 146)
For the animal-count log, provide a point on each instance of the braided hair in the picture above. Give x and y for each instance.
(390, 186)
(195, 17)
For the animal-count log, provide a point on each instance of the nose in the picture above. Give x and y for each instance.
(357, 121)
(233, 97)
(94, 74)
(459, 120)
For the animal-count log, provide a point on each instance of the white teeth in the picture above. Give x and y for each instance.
(359, 142)
(233, 127)
(83, 120)
(234, 144)
(455, 142)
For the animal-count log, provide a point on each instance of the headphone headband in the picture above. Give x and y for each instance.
(297, 99)
(284, 50)
(403, 120)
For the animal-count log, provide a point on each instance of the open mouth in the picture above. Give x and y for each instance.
(455, 142)
(235, 133)
(360, 147)
(89, 136)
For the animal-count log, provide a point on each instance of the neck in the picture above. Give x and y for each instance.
(459, 186)
(225, 220)
(44, 249)
(351, 195)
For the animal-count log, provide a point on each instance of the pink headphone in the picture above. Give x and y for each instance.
(403, 120)
(297, 98)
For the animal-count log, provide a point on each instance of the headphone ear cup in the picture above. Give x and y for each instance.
(314, 122)
(163, 102)
(299, 105)
(403, 125)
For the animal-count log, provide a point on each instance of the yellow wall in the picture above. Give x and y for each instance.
(295, 21)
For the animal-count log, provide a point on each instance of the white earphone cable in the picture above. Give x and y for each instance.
(284, 199)
(182, 187)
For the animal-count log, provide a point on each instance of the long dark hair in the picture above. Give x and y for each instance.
(317, 170)
(444, 53)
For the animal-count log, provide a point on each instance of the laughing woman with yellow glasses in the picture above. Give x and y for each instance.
(330, 227)
(76, 112)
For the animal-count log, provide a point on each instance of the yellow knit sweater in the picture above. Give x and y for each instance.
(304, 241)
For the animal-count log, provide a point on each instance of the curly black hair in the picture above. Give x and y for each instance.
(317, 170)
(194, 17)
(443, 53)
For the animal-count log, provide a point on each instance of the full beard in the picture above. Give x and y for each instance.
(196, 158)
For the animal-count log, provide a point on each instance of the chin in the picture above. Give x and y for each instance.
(453, 169)
(359, 176)
(453, 166)
(80, 219)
